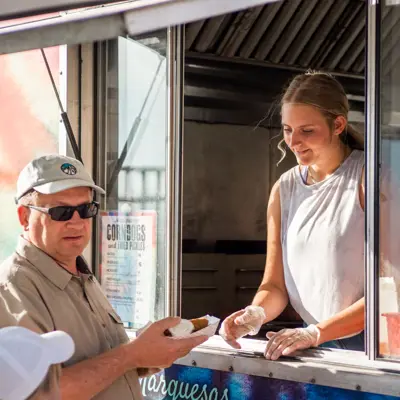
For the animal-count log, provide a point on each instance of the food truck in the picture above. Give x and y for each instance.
(172, 104)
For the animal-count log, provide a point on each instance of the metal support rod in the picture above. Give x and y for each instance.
(372, 169)
(64, 115)
(132, 133)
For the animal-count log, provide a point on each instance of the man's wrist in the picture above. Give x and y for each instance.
(131, 357)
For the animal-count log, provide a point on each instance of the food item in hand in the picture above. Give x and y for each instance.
(199, 323)
(186, 327)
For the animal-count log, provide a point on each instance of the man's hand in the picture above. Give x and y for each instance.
(287, 341)
(242, 323)
(152, 349)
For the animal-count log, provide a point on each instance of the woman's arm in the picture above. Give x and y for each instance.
(272, 294)
(350, 321)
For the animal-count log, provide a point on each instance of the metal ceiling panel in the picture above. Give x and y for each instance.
(317, 45)
(210, 33)
(356, 50)
(277, 28)
(259, 29)
(342, 46)
(238, 31)
(339, 34)
(302, 15)
(192, 33)
(305, 34)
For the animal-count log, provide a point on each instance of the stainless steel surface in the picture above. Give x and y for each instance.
(334, 368)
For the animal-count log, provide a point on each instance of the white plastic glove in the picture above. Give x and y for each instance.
(242, 323)
(287, 341)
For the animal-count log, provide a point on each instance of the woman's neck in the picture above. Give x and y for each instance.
(322, 169)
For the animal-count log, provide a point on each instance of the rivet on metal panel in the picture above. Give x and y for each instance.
(270, 374)
(194, 363)
(313, 380)
(231, 369)
(358, 387)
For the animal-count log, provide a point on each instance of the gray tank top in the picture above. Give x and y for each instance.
(322, 236)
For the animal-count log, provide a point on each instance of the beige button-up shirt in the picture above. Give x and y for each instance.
(32, 283)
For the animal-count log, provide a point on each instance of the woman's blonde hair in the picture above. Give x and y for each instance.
(323, 91)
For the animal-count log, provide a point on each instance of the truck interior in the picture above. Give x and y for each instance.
(236, 68)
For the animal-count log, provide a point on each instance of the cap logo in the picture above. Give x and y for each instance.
(68, 169)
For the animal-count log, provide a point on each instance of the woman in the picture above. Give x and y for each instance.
(315, 224)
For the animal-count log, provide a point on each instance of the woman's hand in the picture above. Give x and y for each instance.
(242, 323)
(287, 341)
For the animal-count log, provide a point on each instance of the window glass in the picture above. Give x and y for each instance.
(389, 284)
(132, 225)
(29, 127)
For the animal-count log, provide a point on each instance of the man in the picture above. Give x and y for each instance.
(48, 275)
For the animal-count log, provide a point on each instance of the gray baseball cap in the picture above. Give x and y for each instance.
(52, 174)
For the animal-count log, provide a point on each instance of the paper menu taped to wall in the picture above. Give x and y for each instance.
(128, 264)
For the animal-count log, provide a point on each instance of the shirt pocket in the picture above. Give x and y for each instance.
(118, 328)
(114, 316)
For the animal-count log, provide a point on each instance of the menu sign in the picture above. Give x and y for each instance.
(128, 264)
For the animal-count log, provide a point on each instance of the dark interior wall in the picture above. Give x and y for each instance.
(228, 173)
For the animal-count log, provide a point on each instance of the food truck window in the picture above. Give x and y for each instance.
(29, 126)
(389, 281)
(237, 67)
(133, 222)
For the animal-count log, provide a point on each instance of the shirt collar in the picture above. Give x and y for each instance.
(48, 266)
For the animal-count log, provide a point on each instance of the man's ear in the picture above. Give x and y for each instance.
(340, 125)
(23, 216)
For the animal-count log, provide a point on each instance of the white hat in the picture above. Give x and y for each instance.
(25, 358)
(54, 173)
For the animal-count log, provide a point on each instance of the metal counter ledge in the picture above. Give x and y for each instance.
(330, 367)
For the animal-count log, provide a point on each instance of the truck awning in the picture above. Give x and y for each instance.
(111, 20)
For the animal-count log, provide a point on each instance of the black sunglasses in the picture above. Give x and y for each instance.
(65, 213)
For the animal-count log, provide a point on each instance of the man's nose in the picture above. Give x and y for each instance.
(76, 217)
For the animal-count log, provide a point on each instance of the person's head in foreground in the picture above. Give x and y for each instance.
(25, 359)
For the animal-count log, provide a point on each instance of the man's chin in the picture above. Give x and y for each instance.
(73, 247)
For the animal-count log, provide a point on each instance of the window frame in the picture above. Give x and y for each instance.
(372, 189)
